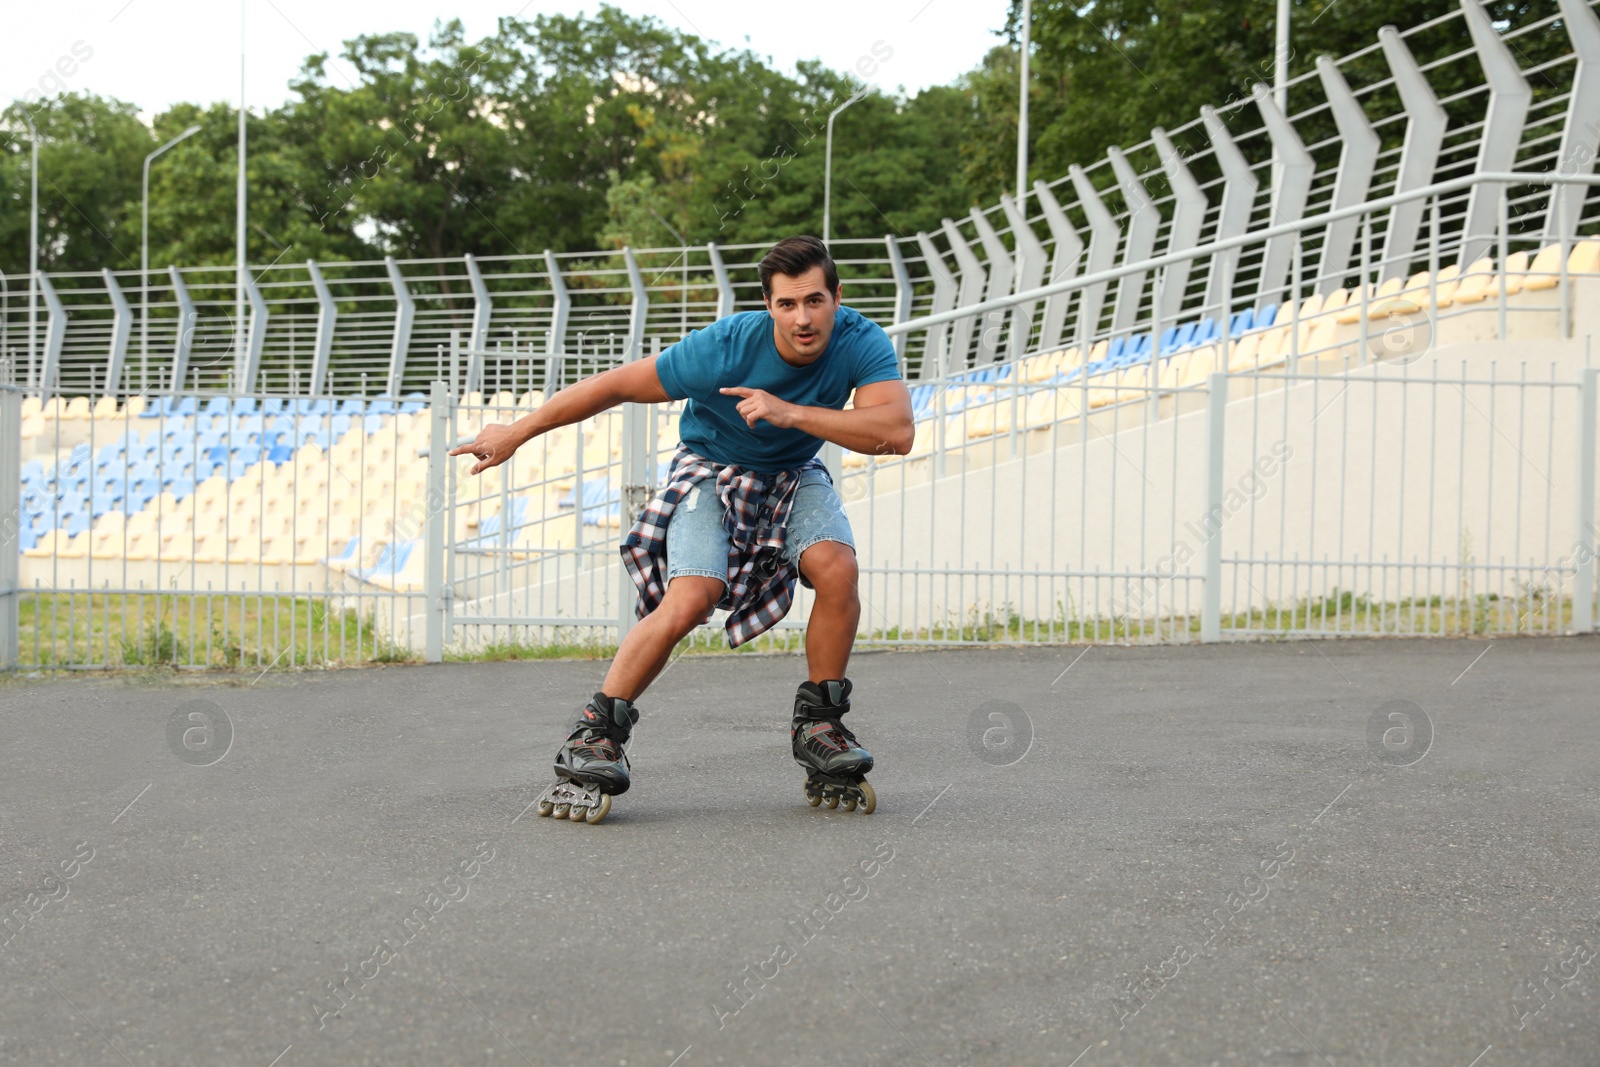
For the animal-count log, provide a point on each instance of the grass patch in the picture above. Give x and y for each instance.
(153, 631)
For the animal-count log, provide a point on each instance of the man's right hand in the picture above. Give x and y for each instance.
(494, 445)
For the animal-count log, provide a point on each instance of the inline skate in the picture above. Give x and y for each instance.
(591, 766)
(835, 762)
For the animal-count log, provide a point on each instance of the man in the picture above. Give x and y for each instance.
(746, 506)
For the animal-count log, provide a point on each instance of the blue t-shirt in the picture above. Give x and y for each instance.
(739, 351)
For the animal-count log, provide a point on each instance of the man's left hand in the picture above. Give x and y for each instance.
(759, 405)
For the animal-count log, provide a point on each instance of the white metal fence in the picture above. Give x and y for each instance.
(1251, 476)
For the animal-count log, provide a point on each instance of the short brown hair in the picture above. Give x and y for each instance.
(793, 256)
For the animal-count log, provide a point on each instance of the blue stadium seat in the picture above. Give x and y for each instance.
(217, 405)
(273, 405)
(338, 426)
(180, 487)
(244, 405)
(371, 424)
(392, 559)
(350, 551)
(412, 403)
(280, 455)
(353, 406)
(382, 407)
(79, 522)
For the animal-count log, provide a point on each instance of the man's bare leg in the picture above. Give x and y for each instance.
(830, 567)
(648, 646)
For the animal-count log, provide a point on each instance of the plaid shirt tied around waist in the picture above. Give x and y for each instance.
(760, 581)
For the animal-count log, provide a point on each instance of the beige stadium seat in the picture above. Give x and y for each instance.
(1475, 284)
(75, 547)
(77, 408)
(107, 537)
(136, 406)
(1242, 352)
(31, 406)
(48, 545)
(1171, 374)
(177, 547)
(1038, 368)
(1352, 311)
(1585, 258)
(143, 546)
(1323, 327)
(982, 419)
(1448, 280)
(1052, 405)
(105, 408)
(1515, 274)
(1202, 363)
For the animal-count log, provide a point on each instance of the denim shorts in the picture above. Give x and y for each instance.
(698, 545)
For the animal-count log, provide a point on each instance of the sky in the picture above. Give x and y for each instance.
(155, 53)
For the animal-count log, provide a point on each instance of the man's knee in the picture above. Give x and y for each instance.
(690, 600)
(830, 567)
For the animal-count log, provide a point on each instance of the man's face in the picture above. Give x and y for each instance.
(802, 314)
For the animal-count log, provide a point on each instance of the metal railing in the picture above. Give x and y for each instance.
(1223, 182)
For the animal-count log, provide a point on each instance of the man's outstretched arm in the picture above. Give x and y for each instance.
(637, 382)
(878, 424)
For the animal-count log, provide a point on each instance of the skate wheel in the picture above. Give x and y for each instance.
(600, 810)
(561, 810)
(545, 807)
(577, 813)
(849, 803)
(812, 797)
(869, 799)
(833, 801)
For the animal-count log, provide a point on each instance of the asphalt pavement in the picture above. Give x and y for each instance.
(1376, 852)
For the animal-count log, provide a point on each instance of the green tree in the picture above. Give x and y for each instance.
(91, 150)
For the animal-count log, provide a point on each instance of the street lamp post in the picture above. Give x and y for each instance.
(144, 258)
(827, 166)
(1022, 113)
(240, 215)
(33, 242)
(683, 254)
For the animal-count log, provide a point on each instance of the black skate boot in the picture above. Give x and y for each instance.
(591, 766)
(836, 763)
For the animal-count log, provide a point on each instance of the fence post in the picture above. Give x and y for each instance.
(1583, 582)
(10, 523)
(1211, 600)
(637, 476)
(438, 509)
